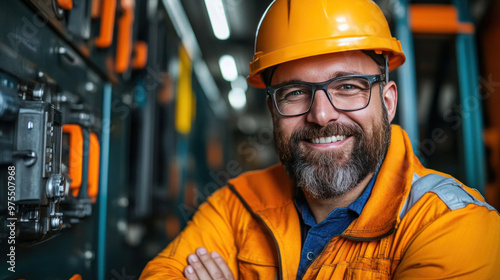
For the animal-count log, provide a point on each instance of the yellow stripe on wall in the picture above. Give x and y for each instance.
(186, 102)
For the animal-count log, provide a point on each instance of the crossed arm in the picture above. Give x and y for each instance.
(477, 257)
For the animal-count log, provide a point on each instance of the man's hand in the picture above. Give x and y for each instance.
(204, 265)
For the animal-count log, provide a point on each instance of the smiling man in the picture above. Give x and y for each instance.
(349, 200)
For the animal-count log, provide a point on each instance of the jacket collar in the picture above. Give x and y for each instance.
(380, 215)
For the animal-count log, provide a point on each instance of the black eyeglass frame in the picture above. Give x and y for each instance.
(372, 79)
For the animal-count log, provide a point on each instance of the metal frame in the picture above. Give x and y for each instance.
(470, 98)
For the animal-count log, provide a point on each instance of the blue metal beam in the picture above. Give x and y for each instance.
(103, 182)
(470, 99)
(407, 81)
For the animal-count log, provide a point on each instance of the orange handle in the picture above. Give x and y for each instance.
(65, 4)
(76, 277)
(435, 18)
(75, 155)
(94, 153)
(124, 46)
(105, 37)
(140, 55)
(96, 8)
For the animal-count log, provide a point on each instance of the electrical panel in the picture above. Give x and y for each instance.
(88, 141)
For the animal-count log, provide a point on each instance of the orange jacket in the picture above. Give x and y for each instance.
(417, 224)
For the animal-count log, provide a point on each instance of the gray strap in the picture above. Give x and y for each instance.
(449, 191)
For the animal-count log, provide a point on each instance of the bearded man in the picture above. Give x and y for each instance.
(350, 200)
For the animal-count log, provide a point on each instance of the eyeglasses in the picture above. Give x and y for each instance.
(346, 93)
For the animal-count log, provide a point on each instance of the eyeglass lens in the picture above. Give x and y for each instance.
(348, 93)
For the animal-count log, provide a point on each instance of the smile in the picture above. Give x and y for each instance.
(329, 139)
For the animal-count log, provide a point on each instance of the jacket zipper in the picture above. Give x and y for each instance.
(280, 268)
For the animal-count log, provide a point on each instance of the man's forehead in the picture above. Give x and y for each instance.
(326, 66)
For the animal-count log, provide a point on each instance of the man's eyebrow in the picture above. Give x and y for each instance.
(291, 81)
(332, 76)
(344, 73)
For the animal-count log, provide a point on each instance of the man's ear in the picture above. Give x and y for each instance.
(390, 99)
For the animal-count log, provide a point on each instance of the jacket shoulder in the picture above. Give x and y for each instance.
(448, 231)
(449, 191)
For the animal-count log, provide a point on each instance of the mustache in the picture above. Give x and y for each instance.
(333, 128)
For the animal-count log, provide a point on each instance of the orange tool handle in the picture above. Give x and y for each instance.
(95, 11)
(93, 181)
(124, 46)
(140, 55)
(105, 37)
(65, 4)
(75, 155)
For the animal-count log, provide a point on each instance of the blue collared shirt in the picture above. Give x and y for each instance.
(316, 236)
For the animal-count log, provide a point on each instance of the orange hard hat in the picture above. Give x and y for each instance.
(294, 29)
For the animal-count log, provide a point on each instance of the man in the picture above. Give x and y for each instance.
(350, 199)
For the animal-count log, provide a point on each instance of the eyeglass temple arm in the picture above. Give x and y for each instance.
(386, 68)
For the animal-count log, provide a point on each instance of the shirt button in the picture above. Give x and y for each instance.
(310, 256)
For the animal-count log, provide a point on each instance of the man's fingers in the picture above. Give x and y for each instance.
(199, 269)
(190, 273)
(204, 265)
(222, 266)
(209, 263)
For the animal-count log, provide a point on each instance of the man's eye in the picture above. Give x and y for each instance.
(349, 87)
(292, 94)
(295, 92)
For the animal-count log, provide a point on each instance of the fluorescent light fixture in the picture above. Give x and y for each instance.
(228, 68)
(209, 86)
(218, 18)
(240, 82)
(237, 98)
(185, 32)
(183, 27)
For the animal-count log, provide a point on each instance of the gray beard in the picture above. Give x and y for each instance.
(324, 182)
(326, 174)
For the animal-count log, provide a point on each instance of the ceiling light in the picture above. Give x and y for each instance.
(218, 18)
(185, 32)
(237, 98)
(228, 68)
(183, 27)
(240, 82)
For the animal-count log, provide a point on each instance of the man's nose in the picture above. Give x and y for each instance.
(322, 110)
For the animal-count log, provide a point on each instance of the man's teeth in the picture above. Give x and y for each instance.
(329, 139)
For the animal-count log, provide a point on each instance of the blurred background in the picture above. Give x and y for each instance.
(120, 117)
